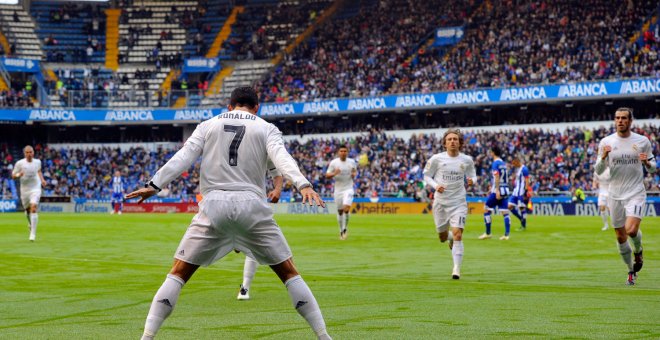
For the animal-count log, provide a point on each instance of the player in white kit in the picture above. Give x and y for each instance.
(343, 170)
(28, 170)
(602, 183)
(626, 153)
(250, 265)
(447, 173)
(235, 147)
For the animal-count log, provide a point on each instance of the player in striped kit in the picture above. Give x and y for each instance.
(498, 195)
(521, 189)
(117, 193)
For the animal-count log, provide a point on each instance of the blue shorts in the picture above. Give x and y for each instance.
(518, 201)
(492, 202)
(117, 197)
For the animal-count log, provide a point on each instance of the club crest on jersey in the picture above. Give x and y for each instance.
(462, 166)
(634, 147)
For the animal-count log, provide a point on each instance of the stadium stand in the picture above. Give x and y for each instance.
(19, 29)
(259, 39)
(506, 43)
(359, 53)
(71, 33)
(202, 33)
(390, 165)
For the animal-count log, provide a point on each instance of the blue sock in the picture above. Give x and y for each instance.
(507, 224)
(524, 217)
(488, 221)
(515, 213)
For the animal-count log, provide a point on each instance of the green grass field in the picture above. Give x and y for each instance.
(93, 277)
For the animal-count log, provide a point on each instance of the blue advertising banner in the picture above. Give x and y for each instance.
(478, 97)
(76, 115)
(8, 205)
(20, 65)
(201, 65)
(448, 35)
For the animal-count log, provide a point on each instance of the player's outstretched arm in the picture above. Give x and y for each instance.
(143, 193)
(311, 197)
(180, 162)
(283, 160)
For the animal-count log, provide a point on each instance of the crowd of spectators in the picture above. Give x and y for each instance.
(93, 28)
(186, 18)
(507, 43)
(262, 31)
(519, 43)
(15, 98)
(559, 162)
(360, 55)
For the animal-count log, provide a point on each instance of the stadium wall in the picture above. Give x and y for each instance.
(543, 206)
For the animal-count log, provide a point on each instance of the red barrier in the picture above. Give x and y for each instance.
(161, 208)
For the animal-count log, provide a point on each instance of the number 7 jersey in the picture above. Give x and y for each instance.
(235, 150)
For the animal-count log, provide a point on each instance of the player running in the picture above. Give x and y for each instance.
(343, 170)
(521, 190)
(28, 170)
(626, 154)
(498, 195)
(447, 173)
(602, 183)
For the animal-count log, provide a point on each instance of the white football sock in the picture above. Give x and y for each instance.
(249, 269)
(34, 220)
(305, 304)
(603, 216)
(637, 241)
(162, 305)
(457, 253)
(626, 254)
(340, 221)
(346, 218)
(344, 221)
(450, 236)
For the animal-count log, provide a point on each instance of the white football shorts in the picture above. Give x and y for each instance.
(602, 199)
(620, 210)
(449, 216)
(343, 198)
(30, 197)
(229, 220)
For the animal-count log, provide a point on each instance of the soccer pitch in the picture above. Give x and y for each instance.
(93, 277)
